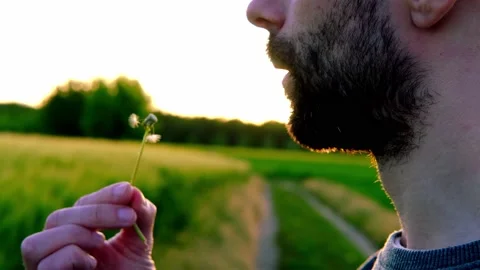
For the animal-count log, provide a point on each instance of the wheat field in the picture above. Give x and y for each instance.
(199, 195)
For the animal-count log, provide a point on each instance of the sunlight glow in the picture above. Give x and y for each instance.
(195, 58)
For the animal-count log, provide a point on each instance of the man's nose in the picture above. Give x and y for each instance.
(268, 14)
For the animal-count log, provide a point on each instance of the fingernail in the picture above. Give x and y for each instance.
(125, 214)
(99, 237)
(119, 190)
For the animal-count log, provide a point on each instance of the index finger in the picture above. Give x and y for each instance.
(119, 193)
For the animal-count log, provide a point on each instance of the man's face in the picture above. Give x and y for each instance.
(351, 84)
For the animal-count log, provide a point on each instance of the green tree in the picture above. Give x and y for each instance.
(62, 111)
(19, 118)
(98, 111)
(109, 105)
(128, 97)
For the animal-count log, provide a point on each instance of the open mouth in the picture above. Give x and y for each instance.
(287, 79)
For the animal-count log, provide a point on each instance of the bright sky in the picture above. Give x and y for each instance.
(192, 57)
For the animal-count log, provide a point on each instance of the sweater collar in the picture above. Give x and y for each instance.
(395, 256)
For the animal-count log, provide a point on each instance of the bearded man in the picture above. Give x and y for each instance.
(397, 79)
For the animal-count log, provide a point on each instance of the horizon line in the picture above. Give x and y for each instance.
(156, 109)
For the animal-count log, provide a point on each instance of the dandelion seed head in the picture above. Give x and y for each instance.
(133, 120)
(153, 138)
(150, 120)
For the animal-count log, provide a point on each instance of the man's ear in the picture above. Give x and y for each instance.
(426, 13)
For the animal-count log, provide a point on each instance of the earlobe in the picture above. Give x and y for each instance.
(426, 13)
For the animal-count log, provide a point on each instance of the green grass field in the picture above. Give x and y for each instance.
(307, 240)
(209, 204)
(196, 194)
(353, 171)
(362, 212)
(346, 183)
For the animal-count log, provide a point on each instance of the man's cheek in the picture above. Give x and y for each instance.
(305, 15)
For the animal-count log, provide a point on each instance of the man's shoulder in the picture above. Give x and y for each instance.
(370, 262)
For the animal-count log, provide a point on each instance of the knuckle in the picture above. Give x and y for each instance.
(97, 218)
(78, 259)
(81, 200)
(77, 232)
(96, 214)
(28, 247)
(69, 257)
(75, 254)
(50, 222)
(53, 219)
(45, 265)
(153, 208)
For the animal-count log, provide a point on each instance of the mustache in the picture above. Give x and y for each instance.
(281, 52)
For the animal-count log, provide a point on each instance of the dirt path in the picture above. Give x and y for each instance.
(363, 244)
(268, 250)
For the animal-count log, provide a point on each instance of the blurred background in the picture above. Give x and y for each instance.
(233, 191)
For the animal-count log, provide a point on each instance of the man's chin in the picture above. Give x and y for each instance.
(320, 144)
(305, 142)
(303, 134)
(326, 134)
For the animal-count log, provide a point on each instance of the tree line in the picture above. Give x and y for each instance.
(100, 109)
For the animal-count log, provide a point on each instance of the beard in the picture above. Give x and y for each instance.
(352, 87)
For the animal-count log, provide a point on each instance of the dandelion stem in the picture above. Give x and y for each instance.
(134, 175)
(139, 233)
(135, 226)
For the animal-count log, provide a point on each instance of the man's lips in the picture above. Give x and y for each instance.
(287, 83)
(286, 79)
(279, 65)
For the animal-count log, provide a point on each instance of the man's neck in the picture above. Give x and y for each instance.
(437, 190)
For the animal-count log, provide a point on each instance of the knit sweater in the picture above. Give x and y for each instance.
(394, 256)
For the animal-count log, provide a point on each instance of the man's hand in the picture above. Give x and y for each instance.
(71, 240)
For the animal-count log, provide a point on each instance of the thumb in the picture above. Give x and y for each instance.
(146, 213)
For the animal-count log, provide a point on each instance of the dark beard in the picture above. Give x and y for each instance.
(353, 88)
